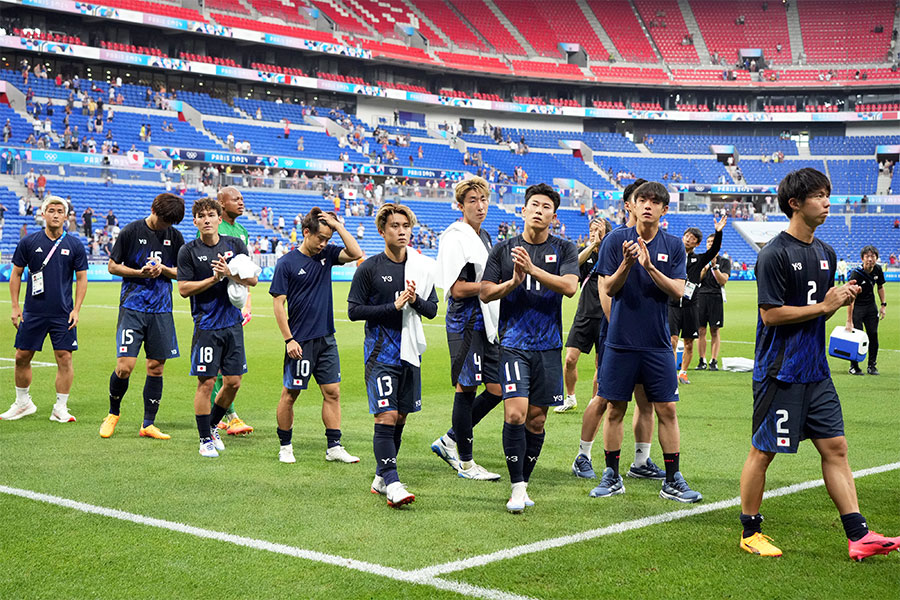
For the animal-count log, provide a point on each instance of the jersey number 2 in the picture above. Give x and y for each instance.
(812, 290)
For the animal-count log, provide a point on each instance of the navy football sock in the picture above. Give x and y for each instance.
(672, 461)
(462, 423)
(153, 387)
(216, 414)
(533, 444)
(612, 460)
(203, 427)
(284, 435)
(398, 437)
(751, 524)
(385, 453)
(514, 449)
(483, 404)
(333, 436)
(854, 526)
(117, 389)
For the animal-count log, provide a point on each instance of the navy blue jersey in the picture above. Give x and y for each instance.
(306, 281)
(135, 244)
(465, 313)
(70, 257)
(531, 315)
(211, 308)
(793, 273)
(639, 312)
(376, 285)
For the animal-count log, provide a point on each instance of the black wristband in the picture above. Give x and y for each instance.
(884, 303)
(288, 341)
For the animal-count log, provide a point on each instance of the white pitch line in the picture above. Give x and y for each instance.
(484, 559)
(34, 363)
(413, 577)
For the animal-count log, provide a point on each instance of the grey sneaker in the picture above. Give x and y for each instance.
(610, 485)
(679, 491)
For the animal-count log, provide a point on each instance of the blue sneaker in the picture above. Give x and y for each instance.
(583, 468)
(610, 485)
(679, 491)
(648, 471)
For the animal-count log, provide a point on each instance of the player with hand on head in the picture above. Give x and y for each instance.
(302, 281)
(392, 291)
(793, 396)
(711, 306)
(218, 341)
(862, 312)
(145, 256)
(529, 274)
(52, 258)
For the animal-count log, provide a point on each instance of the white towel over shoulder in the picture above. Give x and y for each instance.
(458, 246)
(419, 269)
(244, 267)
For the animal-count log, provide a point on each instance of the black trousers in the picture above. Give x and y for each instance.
(866, 317)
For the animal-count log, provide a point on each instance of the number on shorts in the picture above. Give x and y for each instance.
(303, 368)
(812, 290)
(782, 418)
(388, 388)
(206, 354)
(515, 368)
(528, 282)
(476, 358)
(127, 337)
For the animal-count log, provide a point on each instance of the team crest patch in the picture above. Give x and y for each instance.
(783, 441)
(383, 403)
(510, 387)
(201, 368)
(823, 264)
(64, 252)
(662, 257)
(550, 258)
(167, 242)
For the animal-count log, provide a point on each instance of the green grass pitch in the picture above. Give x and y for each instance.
(54, 552)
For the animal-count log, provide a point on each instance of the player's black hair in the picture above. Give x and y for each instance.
(867, 249)
(695, 231)
(652, 191)
(800, 184)
(311, 220)
(208, 203)
(629, 190)
(544, 190)
(169, 208)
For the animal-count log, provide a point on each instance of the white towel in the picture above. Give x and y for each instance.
(419, 269)
(459, 245)
(244, 267)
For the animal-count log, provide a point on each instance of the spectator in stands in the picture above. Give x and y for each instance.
(842, 271)
(892, 261)
(112, 223)
(41, 186)
(300, 147)
(258, 115)
(287, 129)
(7, 131)
(87, 222)
(896, 225)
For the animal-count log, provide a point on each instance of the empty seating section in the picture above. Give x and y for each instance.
(396, 51)
(849, 146)
(820, 108)
(207, 105)
(450, 24)
(286, 10)
(842, 32)
(646, 106)
(306, 34)
(665, 23)
(32, 34)
(757, 172)
(21, 128)
(732, 108)
(453, 93)
(341, 78)
(853, 176)
(269, 140)
(168, 10)
(877, 107)
(213, 60)
(132, 48)
(650, 74)
(528, 100)
(404, 86)
(547, 69)
(653, 169)
(699, 144)
(234, 6)
(278, 69)
(564, 102)
(621, 25)
(383, 15)
(606, 104)
(779, 108)
(717, 75)
(342, 19)
(469, 62)
(763, 29)
(547, 24)
(692, 107)
(486, 22)
(491, 97)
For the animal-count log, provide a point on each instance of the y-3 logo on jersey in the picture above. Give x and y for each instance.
(142, 241)
(387, 278)
(798, 266)
(202, 258)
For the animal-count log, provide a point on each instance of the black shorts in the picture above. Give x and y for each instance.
(216, 351)
(711, 311)
(393, 387)
(34, 328)
(584, 333)
(320, 360)
(683, 321)
(784, 414)
(473, 359)
(156, 331)
(533, 374)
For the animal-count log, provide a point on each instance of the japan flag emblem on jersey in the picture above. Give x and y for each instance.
(783, 441)
(228, 254)
(510, 387)
(550, 258)
(662, 257)
(298, 382)
(477, 376)
(823, 264)
(64, 252)
(167, 242)
(123, 348)
(382, 403)
(201, 368)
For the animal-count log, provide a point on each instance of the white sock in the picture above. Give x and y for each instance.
(682, 372)
(291, 446)
(570, 397)
(447, 441)
(22, 395)
(519, 489)
(466, 464)
(62, 400)
(585, 447)
(641, 454)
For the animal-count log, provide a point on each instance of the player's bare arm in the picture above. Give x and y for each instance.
(674, 288)
(835, 298)
(614, 282)
(561, 284)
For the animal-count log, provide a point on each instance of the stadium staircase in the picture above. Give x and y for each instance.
(511, 28)
(694, 29)
(598, 29)
(884, 182)
(431, 24)
(794, 33)
(637, 15)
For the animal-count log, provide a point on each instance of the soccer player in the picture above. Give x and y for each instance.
(471, 329)
(52, 257)
(643, 267)
(391, 291)
(793, 395)
(218, 340)
(145, 256)
(530, 273)
(711, 306)
(232, 202)
(585, 331)
(862, 312)
(683, 312)
(302, 281)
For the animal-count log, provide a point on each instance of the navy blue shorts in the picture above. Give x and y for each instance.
(156, 331)
(34, 328)
(393, 387)
(320, 360)
(621, 370)
(473, 359)
(533, 374)
(216, 351)
(784, 414)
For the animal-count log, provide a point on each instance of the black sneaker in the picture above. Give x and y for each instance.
(713, 365)
(872, 370)
(701, 366)
(856, 371)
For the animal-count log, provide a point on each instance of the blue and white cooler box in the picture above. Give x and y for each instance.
(848, 345)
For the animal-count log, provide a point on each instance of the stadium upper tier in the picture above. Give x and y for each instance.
(700, 144)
